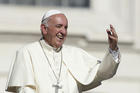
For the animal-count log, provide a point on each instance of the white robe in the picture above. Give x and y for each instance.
(80, 71)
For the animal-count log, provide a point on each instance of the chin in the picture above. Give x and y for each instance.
(59, 45)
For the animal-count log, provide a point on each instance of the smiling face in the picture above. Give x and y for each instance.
(56, 31)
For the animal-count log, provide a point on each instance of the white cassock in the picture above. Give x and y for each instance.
(31, 71)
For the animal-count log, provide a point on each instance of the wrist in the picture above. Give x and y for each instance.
(114, 48)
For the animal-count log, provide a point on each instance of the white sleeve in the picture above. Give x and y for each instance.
(108, 66)
(105, 70)
(25, 90)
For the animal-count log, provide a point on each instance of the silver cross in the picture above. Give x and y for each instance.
(57, 87)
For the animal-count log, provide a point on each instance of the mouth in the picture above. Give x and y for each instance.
(60, 35)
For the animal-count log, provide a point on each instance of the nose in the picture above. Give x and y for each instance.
(64, 30)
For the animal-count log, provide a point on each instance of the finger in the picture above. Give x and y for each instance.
(111, 27)
(113, 30)
(108, 32)
(112, 37)
(109, 35)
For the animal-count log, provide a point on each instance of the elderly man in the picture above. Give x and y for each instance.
(48, 66)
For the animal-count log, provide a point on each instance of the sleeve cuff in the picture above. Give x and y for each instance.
(115, 54)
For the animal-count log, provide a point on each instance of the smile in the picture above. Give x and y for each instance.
(60, 36)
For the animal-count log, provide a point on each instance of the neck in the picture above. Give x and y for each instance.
(56, 49)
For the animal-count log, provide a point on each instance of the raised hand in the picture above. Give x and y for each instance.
(112, 38)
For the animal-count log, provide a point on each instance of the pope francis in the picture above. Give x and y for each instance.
(49, 66)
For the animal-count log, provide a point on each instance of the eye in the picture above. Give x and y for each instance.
(66, 27)
(58, 25)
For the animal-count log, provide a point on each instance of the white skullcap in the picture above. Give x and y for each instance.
(50, 13)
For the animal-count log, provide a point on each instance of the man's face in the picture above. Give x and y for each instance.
(56, 31)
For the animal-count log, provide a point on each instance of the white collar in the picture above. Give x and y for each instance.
(48, 47)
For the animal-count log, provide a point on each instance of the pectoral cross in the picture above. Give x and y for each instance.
(57, 87)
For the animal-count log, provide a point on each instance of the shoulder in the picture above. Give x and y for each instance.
(75, 50)
(72, 48)
(29, 46)
(78, 51)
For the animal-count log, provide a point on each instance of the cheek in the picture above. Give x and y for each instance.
(51, 36)
(66, 33)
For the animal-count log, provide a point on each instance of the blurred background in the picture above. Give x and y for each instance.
(88, 20)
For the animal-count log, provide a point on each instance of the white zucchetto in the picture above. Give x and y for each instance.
(50, 13)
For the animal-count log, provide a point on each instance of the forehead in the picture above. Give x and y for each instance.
(58, 19)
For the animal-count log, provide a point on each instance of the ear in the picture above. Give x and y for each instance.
(43, 29)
